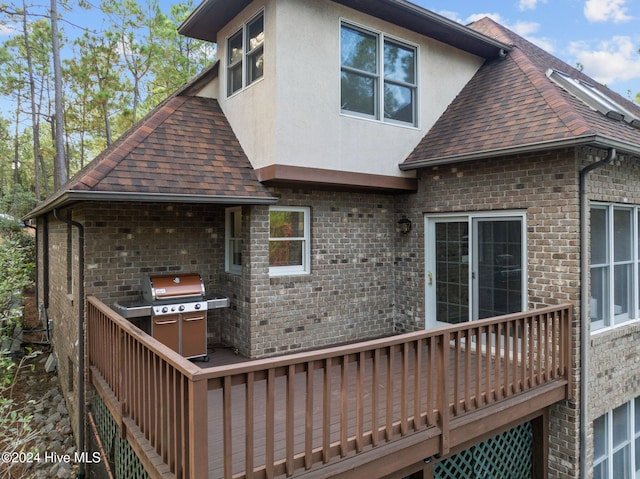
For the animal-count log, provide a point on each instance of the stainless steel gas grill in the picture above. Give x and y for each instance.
(177, 306)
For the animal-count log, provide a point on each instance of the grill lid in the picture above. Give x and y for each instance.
(176, 287)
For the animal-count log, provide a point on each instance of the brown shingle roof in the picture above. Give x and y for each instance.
(510, 105)
(185, 150)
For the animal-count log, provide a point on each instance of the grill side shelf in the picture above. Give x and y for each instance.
(132, 309)
(217, 301)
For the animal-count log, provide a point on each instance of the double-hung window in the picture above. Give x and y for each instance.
(615, 265)
(289, 240)
(616, 443)
(233, 240)
(245, 55)
(378, 76)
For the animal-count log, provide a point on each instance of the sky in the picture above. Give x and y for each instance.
(601, 35)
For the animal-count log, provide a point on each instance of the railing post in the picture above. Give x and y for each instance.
(122, 380)
(198, 429)
(567, 318)
(444, 391)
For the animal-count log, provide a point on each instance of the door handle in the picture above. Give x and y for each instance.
(165, 322)
(430, 278)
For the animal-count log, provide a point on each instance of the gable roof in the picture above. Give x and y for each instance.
(211, 16)
(183, 151)
(512, 106)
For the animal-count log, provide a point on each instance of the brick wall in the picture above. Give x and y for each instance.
(367, 280)
(123, 243)
(63, 305)
(349, 294)
(614, 367)
(544, 186)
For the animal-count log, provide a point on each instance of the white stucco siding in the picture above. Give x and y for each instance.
(292, 116)
(211, 90)
(251, 111)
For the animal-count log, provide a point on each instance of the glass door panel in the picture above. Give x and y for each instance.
(498, 266)
(474, 268)
(452, 271)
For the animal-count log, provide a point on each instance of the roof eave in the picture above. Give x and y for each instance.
(413, 17)
(70, 197)
(211, 16)
(590, 140)
(200, 25)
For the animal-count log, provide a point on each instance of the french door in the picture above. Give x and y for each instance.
(475, 267)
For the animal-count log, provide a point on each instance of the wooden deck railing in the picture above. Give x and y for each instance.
(279, 416)
(153, 393)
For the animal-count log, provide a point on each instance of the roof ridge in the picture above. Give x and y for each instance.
(111, 157)
(550, 93)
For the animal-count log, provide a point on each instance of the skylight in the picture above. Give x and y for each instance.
(594, 98)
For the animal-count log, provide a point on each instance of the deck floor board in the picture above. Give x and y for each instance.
(226, 357)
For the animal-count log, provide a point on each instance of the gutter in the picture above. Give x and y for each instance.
(82, 443)
(70, 196)
(595, 141)
(584, 306)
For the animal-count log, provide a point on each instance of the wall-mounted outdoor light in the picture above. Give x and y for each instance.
(404, 224)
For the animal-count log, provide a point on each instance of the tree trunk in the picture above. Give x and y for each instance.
(35, 120)
(16, 159)
(60, 164)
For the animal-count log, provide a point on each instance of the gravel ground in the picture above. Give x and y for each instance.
(38, 393)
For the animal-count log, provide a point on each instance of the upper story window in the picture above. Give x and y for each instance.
(245, 55)
(378, 76)
(289, 240)
(615, 265)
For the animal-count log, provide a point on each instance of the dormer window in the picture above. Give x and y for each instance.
(378, 76)
(245, 55)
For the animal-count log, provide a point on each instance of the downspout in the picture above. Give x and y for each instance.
(584, 306)
(81, 386)
(37, 256)
(45, 261)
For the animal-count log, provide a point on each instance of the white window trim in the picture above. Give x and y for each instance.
(378, 116)
(245, 54)
(229, 266)
(613, 321)
(630, 440)
(471, 218)
(305, 267)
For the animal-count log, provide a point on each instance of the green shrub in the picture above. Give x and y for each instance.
(17, 267)
(17, 263)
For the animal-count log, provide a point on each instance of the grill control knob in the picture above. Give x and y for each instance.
(197, 306)
(165, 309)
(181, 308)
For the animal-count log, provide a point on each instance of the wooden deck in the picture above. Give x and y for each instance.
(319, 413)
(343, 419)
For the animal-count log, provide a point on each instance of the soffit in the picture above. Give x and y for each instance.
(212, 15)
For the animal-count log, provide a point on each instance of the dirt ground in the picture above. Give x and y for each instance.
(31, 380)
(32, 368)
